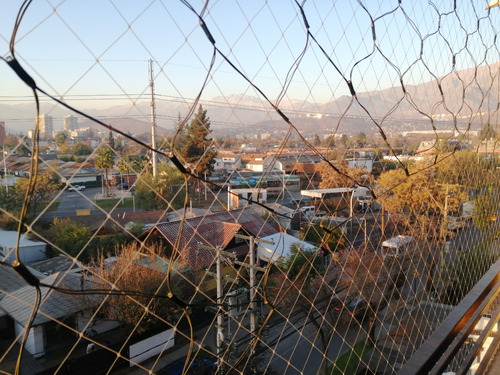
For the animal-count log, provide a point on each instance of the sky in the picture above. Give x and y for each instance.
(94, 53)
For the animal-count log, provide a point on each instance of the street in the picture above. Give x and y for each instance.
(71, 201)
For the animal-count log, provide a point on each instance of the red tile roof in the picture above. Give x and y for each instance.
(211, 230)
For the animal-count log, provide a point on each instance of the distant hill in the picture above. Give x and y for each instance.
(465, 94)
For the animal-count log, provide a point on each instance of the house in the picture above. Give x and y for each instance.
(215, 230)
(61, 263)
(29, 250)
(76, 173)
(281, 247)
(47, 330)
(10, 282)
(261, 163)
(112, 223)
(227, 162)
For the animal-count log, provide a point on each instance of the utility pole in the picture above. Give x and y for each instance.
(5, 171)
(253, 315)
(153, 121)
(253, 292)
(220, 313)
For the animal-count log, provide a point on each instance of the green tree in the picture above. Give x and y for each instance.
(360, 140)
(103, 161)
(302, 264)
(161, 192)
(111, 140)
(45, 187)
(196, 145)
(81, 149)
(61, 138)
(70, 237)
(125, 166)
(10, 201)
(317, 140)
(344, 140)
(485, 211)
(323, 235)
(466, 270)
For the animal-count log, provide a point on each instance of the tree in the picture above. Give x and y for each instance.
(368, 276)
(427, 201)
(303, 264)
(346, 177)
(324, 235)
(344, 141)
(104, 161)
(360, 140)
(464, 168)
(61, 138)
(195, 147)
(45, 187)
(10, 142)
(138, 270)
(70, 237)
(487, 132)
(161, 192)
(124, 166)
(485, 211)
(81, 149)
(316, 141)
(111, 140)
(466, 270)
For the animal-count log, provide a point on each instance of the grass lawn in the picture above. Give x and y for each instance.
(106, 204)
(348, 363)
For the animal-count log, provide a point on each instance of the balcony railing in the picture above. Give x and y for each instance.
(467, 340)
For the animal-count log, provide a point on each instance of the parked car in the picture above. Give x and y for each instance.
(76, 188)
(358, 308)
(199, 365)
(354, 307)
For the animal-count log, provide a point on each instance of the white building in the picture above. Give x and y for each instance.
(239, 198)
(281, 247)
(29, 250)
(70, 123)
(46, 124)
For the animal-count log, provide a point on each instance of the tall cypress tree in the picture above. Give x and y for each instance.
(196, 143)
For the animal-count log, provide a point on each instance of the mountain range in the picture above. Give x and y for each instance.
(461, 99)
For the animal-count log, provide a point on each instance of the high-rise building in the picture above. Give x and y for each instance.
(70, 123)
(46, 126)
(2, 132)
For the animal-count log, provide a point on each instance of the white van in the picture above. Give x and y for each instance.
(308, 210)
(396, 245)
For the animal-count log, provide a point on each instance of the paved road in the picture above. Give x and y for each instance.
(71, 201)
(300, 352)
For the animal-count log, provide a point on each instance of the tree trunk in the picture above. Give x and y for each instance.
(106, 186)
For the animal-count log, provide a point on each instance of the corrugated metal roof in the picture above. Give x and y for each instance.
(8, 238)
(54, 304)
(10, 280)
(60, 263)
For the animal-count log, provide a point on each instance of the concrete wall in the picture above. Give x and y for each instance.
(34, 344)
(153, 345)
